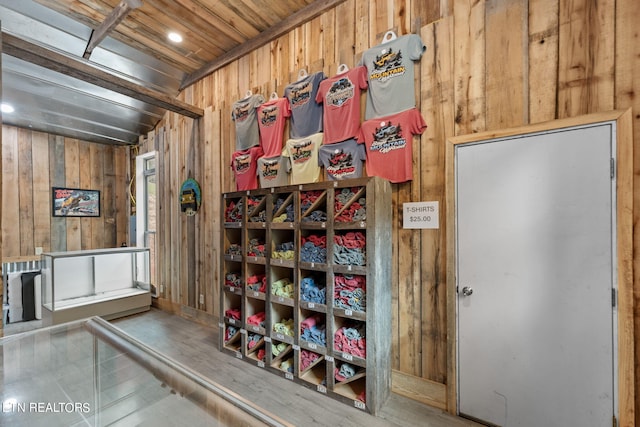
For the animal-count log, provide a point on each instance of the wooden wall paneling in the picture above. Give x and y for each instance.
(121, 195)
(402, 17)
(278, 61)
(57, 178)
(328, 21)
(230, 75)
(362, 37)
(41, 191)
(314, 42)
(210, 208)
(298, 58)
(469, 67)
(25, 185)
(438, 110)
(109, 188)
(72, 180)
(543, 59)
(191, 138)
(586, 65)
(506, 52)
(86, 173)
(381, 20)
(244, 77)
(345, 35)
(96, 153)
(177, 243)
(10, 192)
(164, 218)
(627, 82)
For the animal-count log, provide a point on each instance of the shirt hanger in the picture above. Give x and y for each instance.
(273, 96)
(388, 36)
(302, 74)
(342, 68)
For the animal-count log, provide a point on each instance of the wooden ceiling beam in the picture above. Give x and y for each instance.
(85, 71)
(283, 27)
(115, 17)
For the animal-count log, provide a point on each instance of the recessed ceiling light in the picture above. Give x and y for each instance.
(6, 108)
(175, 37)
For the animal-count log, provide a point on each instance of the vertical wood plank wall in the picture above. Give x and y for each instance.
(489, 64)
(33, 162)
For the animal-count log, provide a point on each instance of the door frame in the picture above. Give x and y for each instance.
(624, 239)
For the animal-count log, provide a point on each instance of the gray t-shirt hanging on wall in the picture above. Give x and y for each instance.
(244, 113)
(306, 113)
(273, 171)
(391, 75)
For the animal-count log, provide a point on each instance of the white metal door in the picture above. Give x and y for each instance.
(535, 255)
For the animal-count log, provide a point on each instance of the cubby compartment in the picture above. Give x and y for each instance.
(282, 358)
(282, 323)
(313, 331)
(313, 290)
(256, 246)
(233, 244)
(350, 205)
(350, 295)
(255, 317)
(282, 284)
(257, 209)
(313, 248)
(283, 247)
(232, 309)
(255, 347)
(233, 209)
(353, 389)
(349, 340)
(232, 338)
(256, 281)
(350, 248)
(313, 369)
(283, 208)
(313, 207)
(233, 280)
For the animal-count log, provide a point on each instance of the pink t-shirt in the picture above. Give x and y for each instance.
(245, 168)
(272, 116)
(340, 95)
(389, 144)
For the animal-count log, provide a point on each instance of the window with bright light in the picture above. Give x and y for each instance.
(146, 208)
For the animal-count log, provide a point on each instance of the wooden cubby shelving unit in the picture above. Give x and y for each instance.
(260, 229)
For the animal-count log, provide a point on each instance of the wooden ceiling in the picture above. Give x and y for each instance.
(211, 29)
(128, 70)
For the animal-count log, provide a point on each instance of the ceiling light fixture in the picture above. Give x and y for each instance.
(6, 108)
(175, 37)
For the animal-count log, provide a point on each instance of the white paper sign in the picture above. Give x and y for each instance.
(420, 215)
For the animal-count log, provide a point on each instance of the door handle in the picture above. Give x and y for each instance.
(467, 291)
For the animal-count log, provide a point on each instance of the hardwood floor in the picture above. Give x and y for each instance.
(195, 346)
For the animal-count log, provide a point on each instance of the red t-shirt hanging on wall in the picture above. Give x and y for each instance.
(245, 168)
(272, 116)
(389, 144)
(340, 96)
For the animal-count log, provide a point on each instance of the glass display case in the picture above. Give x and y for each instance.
(103, 282)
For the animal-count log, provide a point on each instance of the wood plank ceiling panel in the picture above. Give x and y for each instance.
(209, 27)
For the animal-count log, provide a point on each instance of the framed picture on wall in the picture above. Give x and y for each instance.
(75, 202)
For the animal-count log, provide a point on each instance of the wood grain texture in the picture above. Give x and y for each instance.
(470, 66)
(586, 67)
(543, 60)
(437, 96)
(506, 55)
(627, 82)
